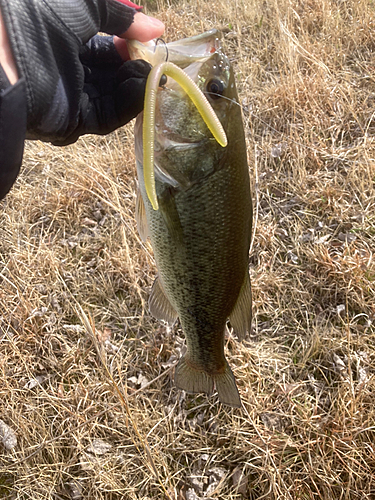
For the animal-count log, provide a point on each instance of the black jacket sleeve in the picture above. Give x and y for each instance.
(12, 133)
(46, 37)
(53, 100)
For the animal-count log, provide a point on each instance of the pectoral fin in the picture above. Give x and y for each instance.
(241, 316)
(159, 304)
(170, 215)
(190, 379)
(140, 217)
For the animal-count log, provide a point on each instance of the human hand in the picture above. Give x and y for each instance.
(71, 88)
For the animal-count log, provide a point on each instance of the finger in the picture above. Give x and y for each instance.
(144, 28)
(121, 47)
(129, 99)
(133, 69)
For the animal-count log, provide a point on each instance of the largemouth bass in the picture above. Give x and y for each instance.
(201, 231)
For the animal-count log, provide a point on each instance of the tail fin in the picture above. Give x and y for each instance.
(227, 389)
(192, 380)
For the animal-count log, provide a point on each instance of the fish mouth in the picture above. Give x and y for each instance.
(175, 141)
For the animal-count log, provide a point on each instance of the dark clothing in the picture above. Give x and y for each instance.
(70, 83)
(12, 133)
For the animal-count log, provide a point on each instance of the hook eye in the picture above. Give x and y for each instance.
(161, 41)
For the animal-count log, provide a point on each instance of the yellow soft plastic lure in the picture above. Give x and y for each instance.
(199, 100)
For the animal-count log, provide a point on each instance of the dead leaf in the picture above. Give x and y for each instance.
(104, 335)
(362, 371)
(88, 222)
(240, 482)
(60, 390)
(287, 389)
(99, 447)
(340, 309)
(141, 380)
(347, 237)
(111, 347)
(322, 239)
(191, 495)
(272, 421)
(340, 366)
(75, 490)
(278, 149)
(7, 436)
(216, 477)
(35, 382)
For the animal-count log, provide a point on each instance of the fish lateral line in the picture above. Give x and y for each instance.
(199, 100)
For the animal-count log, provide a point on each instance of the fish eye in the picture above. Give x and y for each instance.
(215, 88)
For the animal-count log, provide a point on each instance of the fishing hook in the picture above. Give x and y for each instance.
(161, 40)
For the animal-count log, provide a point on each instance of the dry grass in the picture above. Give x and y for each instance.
(103, 419)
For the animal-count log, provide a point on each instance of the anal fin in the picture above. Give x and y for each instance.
(193, 380)
(241, 316)
(159, 304)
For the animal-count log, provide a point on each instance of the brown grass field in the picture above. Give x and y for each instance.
(86, 375)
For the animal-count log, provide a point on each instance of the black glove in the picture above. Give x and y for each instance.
(67, 93)
(113, 91)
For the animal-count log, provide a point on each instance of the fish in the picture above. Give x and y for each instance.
(201, 230)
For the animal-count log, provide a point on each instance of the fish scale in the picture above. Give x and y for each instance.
(201, 233)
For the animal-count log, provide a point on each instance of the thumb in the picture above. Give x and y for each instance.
(143, 28)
